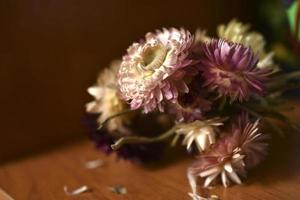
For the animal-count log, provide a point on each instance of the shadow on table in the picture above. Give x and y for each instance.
(171, 156)
(283, 161)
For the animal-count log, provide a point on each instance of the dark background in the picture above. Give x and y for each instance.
(52, 50)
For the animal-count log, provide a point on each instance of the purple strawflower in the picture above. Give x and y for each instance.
(230, 69)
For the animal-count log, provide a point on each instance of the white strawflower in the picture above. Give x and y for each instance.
(202, 133)
(107, 101)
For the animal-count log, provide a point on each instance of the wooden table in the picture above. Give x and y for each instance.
(42, 177)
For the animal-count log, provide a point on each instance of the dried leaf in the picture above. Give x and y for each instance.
(214, 197)
(4, 195)
(92, 164)
(198, 197)
(118, 190)
(77, 191)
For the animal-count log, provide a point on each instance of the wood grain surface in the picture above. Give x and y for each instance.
(42, 177)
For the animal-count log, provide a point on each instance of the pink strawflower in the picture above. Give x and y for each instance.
(243, 148)
(155, 70)
(231, 70)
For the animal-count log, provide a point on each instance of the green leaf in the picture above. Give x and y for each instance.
(291, 15)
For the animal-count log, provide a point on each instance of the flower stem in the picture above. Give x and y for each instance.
(291, 75)
(279, 81)
(112, 117)
(136, 139)
(264, 118)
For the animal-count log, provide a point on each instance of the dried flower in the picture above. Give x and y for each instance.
(244, 147)
(238, 32)
(201, 36)
(203, 133)
(103, 140)
(189, 108)
(107, 101)
(155, 70)
(231, 70)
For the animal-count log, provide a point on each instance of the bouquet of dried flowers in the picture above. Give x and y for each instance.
(211, 94)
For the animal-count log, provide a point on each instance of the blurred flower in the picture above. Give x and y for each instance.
(237, 151)
(238, 32)
(231, 70)
(252, 142)
(203, 133)
(201, 36)
(191, 106)
(188, 108)
(107, 101)
(103, 140)
(155, 70)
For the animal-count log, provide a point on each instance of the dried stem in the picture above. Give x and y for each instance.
(136, 139)
(280, 81)
(253, 113)
(112, 117)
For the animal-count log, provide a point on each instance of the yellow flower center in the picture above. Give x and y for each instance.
(153, 58)
(226, 78)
